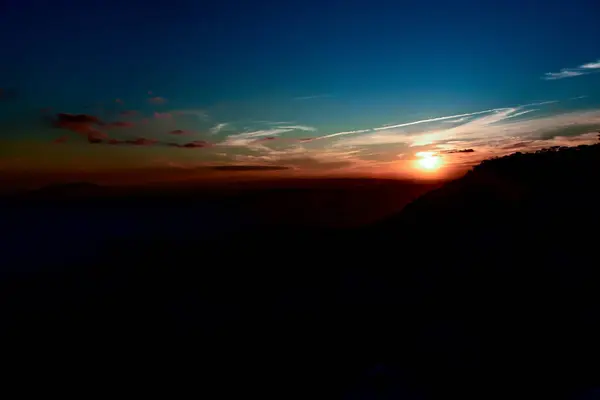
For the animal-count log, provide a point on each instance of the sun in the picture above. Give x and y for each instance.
(428, 160)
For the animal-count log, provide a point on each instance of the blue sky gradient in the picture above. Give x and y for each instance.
(232, 68)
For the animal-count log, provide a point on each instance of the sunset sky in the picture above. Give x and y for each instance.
(299, 88)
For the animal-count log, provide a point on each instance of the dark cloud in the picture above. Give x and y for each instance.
(135, 142)
(77, 118)
(141, 142)
(95, 137)
(128, 112)
(177, 132)
(82, 124)
(249, 168)
(196, 144)
(121, 124)
(458, 151)
(191, 145)
(266, 139)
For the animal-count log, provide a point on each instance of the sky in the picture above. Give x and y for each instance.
(310, 88)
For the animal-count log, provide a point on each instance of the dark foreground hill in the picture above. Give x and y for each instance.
(483, 288)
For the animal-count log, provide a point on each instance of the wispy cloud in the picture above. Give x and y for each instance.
(251, 139)
(299, 127)
(261, 133)
(539, 103)
(423, 121)
(218, 128)
(583, 69)
(342, 133)
(311, 97)
(455, 121)
(485, 129)
(242, 168)
(592, 65)
(298, 157)
(518, 114)
(564, 73)
(157, 100)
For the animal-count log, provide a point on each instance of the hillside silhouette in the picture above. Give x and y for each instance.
(483, 288)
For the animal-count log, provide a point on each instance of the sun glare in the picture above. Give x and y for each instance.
(428, 160)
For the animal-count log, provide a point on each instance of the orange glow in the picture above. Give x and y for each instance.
(428, 161)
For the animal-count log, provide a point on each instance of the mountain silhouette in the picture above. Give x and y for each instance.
(482, 288)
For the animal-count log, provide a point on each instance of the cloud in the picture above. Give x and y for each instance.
(517, 145)
(261, 133)
(540, 103)
(82, 124)
(564, 73)
(121, 124)
(298, 157)
(218, 128)
(241, 168)
(458, 151)
(77, 118)
(195, 144)
(521, 113)
(250, 139)
(128, 112)
(423, 121)
(342, 133)
(95, 137)
(314, 96)
(177, 132)
(299, 127)
(497, 125)
(165, 115)
(455, 121)
(276, 122)
(592, 65)
(157, 100)
(583, 69)
(141, 142)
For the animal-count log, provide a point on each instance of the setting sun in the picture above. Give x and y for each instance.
(428, 160)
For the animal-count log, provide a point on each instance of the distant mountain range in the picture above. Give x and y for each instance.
(485, 287)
